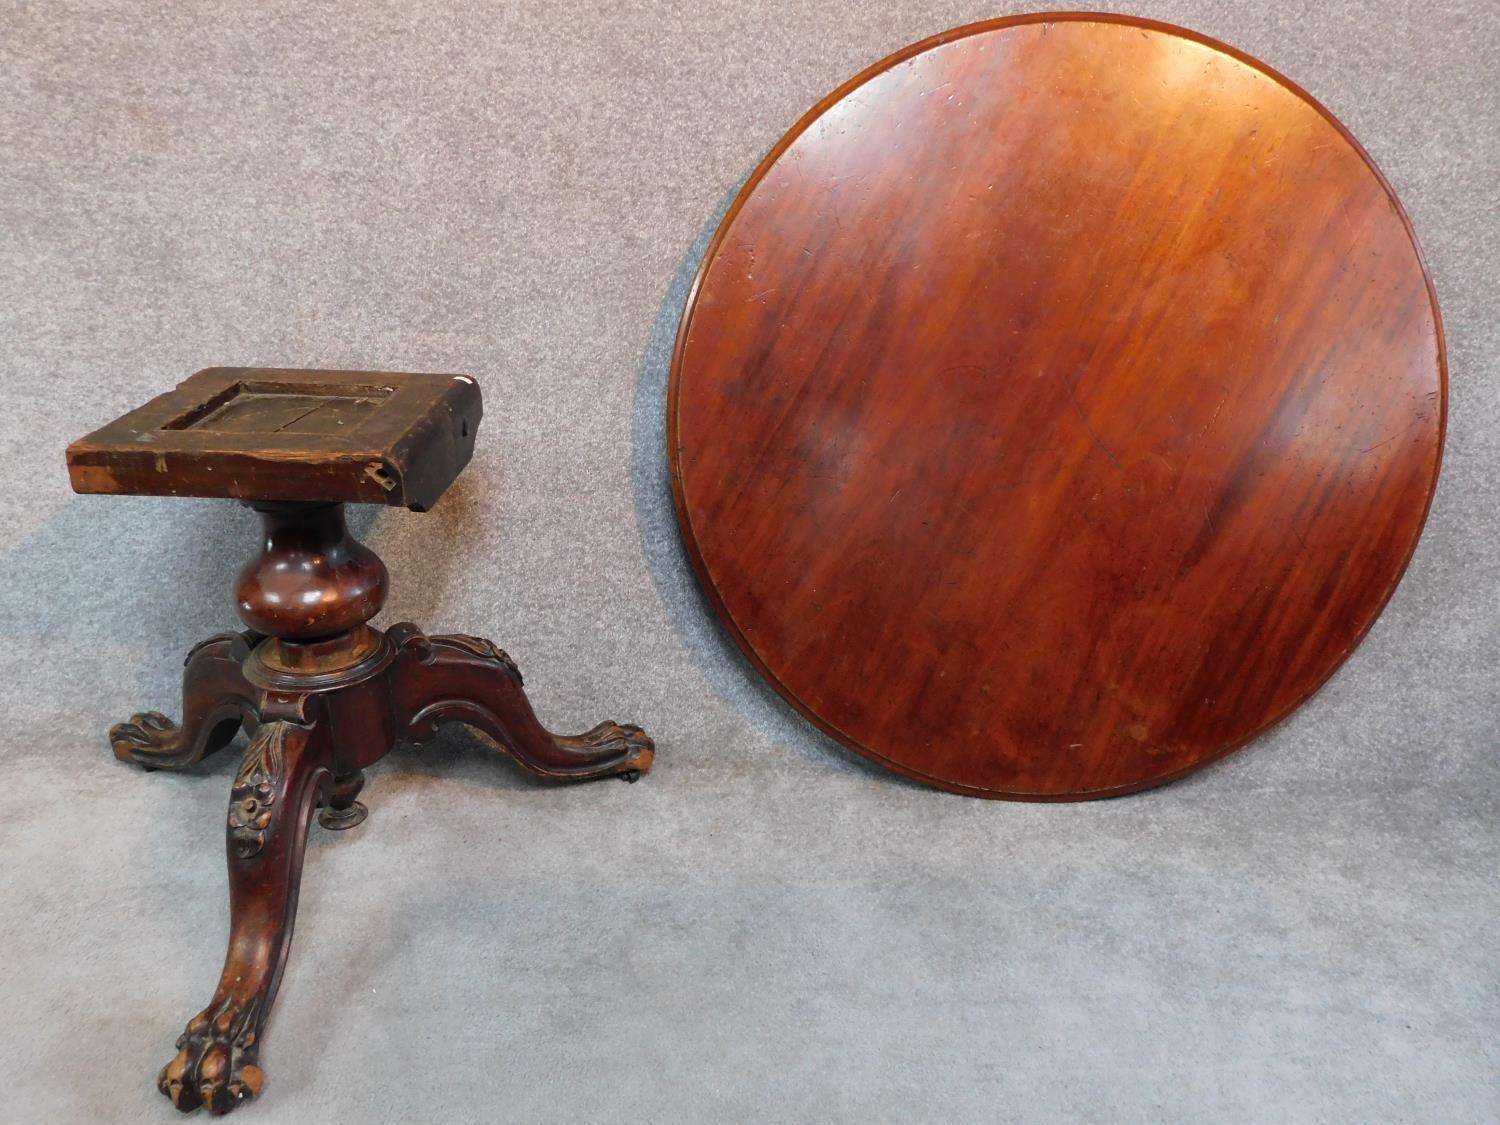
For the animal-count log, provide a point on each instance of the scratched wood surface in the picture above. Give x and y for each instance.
(1057, 406)
(263, 433)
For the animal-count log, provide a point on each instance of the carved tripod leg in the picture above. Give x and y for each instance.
(284, 774)
(470, 680)
(215, 700)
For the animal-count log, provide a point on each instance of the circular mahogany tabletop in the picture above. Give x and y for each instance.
(1057, 406)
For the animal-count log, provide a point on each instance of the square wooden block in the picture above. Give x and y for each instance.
(264, 433)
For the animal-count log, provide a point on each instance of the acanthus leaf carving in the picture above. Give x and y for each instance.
(483, 648)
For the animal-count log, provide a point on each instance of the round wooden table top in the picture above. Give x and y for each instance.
(1057, 406)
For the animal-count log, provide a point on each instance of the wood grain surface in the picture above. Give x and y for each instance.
(264, 433)
(1057, 406)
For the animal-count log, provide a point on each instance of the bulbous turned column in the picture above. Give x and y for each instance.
(312, 579)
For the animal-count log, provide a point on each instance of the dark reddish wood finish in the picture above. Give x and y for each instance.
(312, 578)
(216, 701)
(323, 695)
(271, 433)
(1057, 406)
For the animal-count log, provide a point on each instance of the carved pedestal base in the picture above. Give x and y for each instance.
(319, 713)
(321, 693)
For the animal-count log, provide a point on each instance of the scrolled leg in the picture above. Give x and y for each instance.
(283, 776)
(469, 679)
(216, 699)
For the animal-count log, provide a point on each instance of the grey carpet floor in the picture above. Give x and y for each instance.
(764, 929)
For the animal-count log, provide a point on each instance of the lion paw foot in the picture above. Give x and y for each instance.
(631, 741)
(147, 739)
(215, 1066)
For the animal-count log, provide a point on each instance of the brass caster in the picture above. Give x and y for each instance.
(340, 820)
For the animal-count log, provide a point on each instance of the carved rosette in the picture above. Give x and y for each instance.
(252, 801)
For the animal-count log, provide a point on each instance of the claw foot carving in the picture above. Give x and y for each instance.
(613, 738)
(216, 701)
(215, 1065)
(147, 738)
